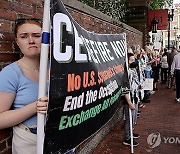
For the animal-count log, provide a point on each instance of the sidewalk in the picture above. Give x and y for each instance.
(161, 116)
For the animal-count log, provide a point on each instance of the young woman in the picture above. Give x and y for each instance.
(155, 69)
(19, 84)
(164, 68)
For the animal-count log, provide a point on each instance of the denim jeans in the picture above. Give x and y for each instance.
(147, 74)
(127, 121)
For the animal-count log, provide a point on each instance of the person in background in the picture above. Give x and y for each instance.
(149, 60)
(170, 57)
(175, 71)
(133, 84)
(130, 50)
(164, 67)
(147, 71)
(142, 60)
(142, 65)
(19, 84)
(137, 55)
(155, 69)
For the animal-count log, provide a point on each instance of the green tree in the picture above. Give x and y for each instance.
(159, 4)
(113, 8)
(117, 8)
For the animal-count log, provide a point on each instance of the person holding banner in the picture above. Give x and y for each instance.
(19, 84)
(130, 102)
(142, 65)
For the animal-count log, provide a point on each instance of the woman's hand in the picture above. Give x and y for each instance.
(42, 105)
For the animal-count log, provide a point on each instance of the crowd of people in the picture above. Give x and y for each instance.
(21, 91)
(161, 66)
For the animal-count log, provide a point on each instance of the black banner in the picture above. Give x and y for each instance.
(85, 83)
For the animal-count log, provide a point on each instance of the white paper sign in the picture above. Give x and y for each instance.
(148, 84)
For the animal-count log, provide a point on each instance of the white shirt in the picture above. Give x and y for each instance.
(164, 63)
(148, 66)
(176, 63)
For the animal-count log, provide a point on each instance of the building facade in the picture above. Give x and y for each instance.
(174, 30)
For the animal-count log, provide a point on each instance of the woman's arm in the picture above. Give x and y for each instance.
(9, 118)
(131, 105)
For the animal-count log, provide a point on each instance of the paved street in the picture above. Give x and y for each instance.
(161, 116)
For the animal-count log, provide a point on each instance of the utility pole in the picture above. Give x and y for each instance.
(170, 18)
(175, 36)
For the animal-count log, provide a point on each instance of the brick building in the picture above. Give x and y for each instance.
(174, 29)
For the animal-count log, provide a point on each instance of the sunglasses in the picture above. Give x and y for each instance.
(17, 21)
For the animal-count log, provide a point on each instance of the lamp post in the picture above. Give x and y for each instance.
(178, 37)
(175, 35)
(154, 24)
(170, 18)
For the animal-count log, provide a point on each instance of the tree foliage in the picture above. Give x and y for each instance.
(117, 8)
(159, 4)
(113, 8)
